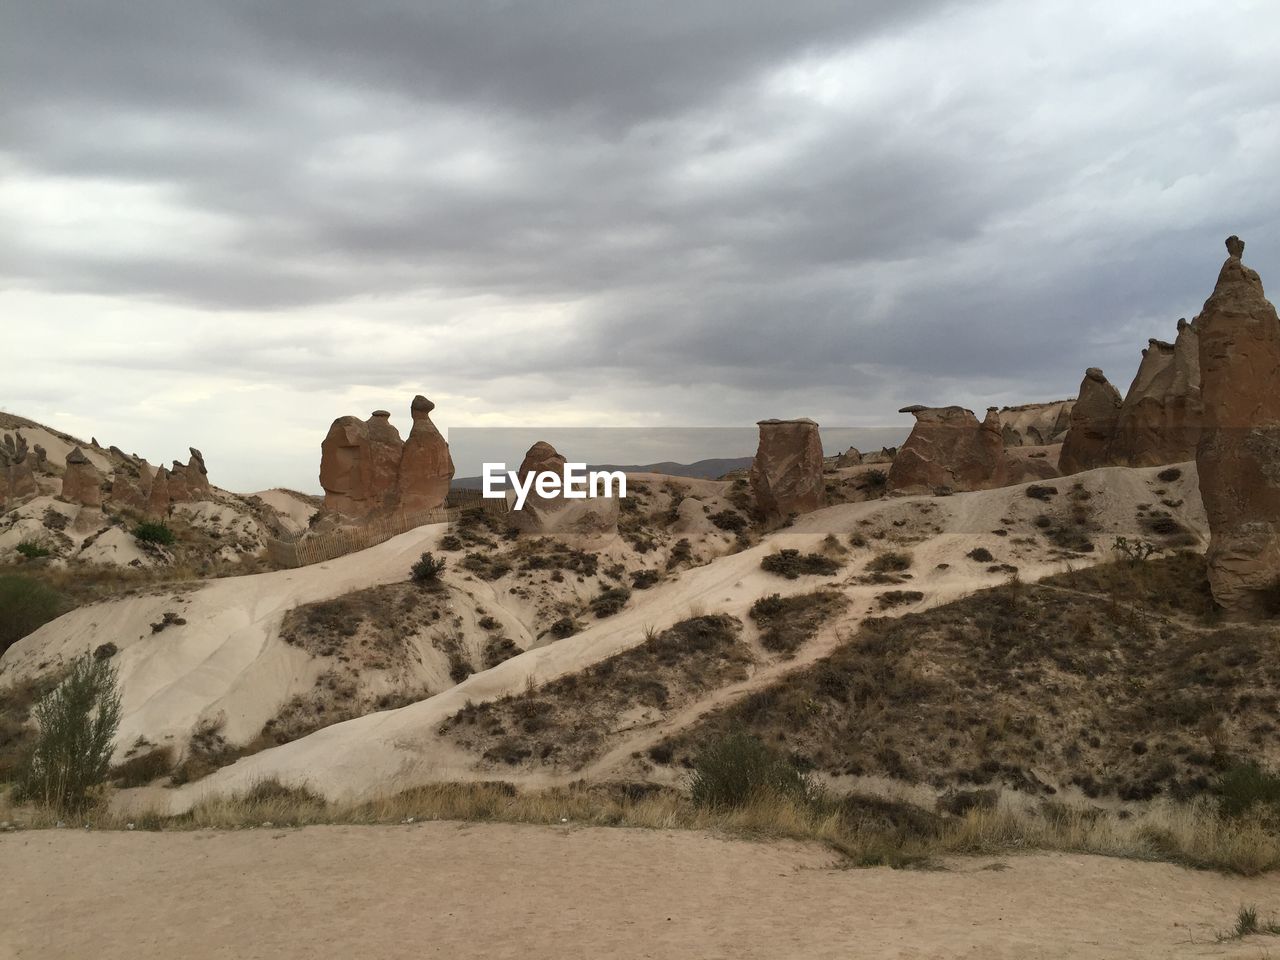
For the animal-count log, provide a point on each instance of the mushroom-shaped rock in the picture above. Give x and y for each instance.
(81, 482)
(1093, 424)
(1238, 457)
(426, 468)
(949, 449)
(786, 473)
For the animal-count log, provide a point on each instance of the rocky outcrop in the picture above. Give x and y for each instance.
(950, 450)
(81, 482)
(158, 496)
(850, 458)
(1238, 456)
(17, 474)
(197, 476)
(367, 469)
(130, 485)
(1035, 424)
(691, 518)
(1159, 421)
(557, 515)
(426, 468)
(1093, 424)
(786, 474)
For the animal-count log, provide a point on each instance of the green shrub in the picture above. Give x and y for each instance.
(734, 771)
(25, 604)
(75, 725)
(32, 550)
(150, 532)
(427, 569)
(610, 601)
(729, 520)
(790, 564)
(1246, 786)
(890, 562)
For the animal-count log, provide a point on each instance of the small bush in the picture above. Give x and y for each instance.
(143, 769)
(980, 554)
(1246, 786)
(873, 481)
(739, 769)
(32, 550)
(76, 724)
(898, 598)
(610, 601)
(152, 532)
(450, 542)
(890, 562)
(26, 604)
(729, 520)
(427, 569)
(564, 627)
(644, 579)
(1134, 551)
(1169, 475)
(790, 564)
(1041, 493)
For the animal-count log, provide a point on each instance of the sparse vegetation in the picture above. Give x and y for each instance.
(738, 770)
(75, 726)
(1169, 475)
(792, 565)
(1041, 492)
(26, 603)
(787, 622)
(980, 554)
(154, 532)
(610, 601)
(1247, 788)
(31, 550)
(427, 569)
(891, 561)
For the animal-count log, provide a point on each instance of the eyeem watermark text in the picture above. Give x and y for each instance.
(575, 483)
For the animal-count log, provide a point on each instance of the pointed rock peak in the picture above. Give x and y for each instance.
(77, 456)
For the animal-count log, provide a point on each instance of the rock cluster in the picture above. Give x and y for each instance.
(1035, 424)
(1158, 421)
(1238, 456)
(367, 469)
(786, 474)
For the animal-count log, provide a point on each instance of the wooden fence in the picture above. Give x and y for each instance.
(317, 548)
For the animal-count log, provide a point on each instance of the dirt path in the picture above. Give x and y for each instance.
(493, 890)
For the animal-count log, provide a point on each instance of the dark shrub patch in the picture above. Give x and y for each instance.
(1042, 493)
(738, 769)
(790, 564)
(427, 570)
(26, 604)
(980, 554)
(786, 623)
(729, 520)
(610, 601)
(644, 579)
(898, 598)
(890, 562)
(149, 532)
(1169, 475)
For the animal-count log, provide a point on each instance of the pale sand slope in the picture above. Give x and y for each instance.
(456, 891)
(227, 661)
(396, 749)
(295, 513)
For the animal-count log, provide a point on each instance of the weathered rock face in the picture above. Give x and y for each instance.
(17, 476)
(1159, 421)
(198, 485)
(130, 485)
(82, 482)
(366, 468)
(1238, 457)
(949, 449)
(556, 515)
(158, 497)
(426, 468)
(691, 518)
(359, 465)
(786, 474)
(1035, 424)
(1093, 424)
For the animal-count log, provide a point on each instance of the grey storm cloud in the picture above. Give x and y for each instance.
(839, 206)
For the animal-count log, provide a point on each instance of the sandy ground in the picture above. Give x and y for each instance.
(494, 890)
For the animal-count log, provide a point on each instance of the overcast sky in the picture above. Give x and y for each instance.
(226, 223)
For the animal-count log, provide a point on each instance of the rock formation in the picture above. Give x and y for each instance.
(557, 515)
(786, 474)
(1159, 421)
(130, 486)
(82, 482)
(367, 469)
(198, 485)
(426, 468)
(691, 518)
(1093, 424)
(17, 476)
(158, 496)
(1035, 424)
(850, 458)
(949, 449)
(1238, 457)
